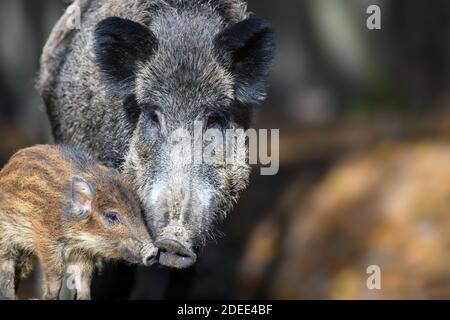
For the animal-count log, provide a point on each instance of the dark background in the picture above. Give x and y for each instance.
(365, 165)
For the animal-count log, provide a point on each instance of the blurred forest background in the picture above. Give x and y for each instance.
(365, 154)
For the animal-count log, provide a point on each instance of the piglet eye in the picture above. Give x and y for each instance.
(111, 218)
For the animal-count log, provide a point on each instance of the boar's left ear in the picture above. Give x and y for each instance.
(119, 46)
(252, 48)
(83, 194)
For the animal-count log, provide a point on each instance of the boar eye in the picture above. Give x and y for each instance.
(154, 117)
(111, 218)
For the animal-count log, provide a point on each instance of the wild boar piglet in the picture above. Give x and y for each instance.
(60, 205)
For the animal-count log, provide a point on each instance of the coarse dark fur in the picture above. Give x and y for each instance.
(136, 71)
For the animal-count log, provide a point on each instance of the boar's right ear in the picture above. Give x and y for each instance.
(83, 194)
(251, 46)
(119, 46)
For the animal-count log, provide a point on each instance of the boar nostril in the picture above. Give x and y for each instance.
(175, 255)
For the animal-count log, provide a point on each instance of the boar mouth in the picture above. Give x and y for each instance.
(175, 255)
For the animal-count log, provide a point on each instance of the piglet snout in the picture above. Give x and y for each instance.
(149, 254)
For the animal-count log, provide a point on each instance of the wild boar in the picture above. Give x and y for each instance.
(133, 73)
(58, 204)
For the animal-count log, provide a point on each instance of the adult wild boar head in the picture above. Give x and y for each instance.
(183, 69)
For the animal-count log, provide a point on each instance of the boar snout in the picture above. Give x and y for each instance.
(174, 254)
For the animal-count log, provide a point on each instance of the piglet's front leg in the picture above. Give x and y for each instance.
(80, 278)
(7, 273)
(52, 267)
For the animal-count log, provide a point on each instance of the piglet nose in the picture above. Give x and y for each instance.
(149, 254)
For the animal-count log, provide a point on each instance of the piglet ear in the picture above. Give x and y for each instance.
(119, 46)
(251, 45)
(83, 194)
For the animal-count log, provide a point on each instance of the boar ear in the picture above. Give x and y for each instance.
(83, 194)
(119, 46)
(251, 45)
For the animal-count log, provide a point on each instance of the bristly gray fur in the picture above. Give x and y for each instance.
(102, 84)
